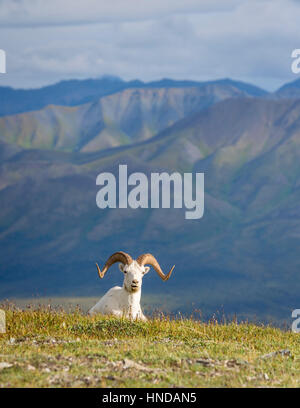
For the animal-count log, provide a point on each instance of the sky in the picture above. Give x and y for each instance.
(247, 40)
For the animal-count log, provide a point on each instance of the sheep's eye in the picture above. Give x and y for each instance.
(125, 271)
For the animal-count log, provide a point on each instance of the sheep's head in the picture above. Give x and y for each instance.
(133, 275)
(133, 270)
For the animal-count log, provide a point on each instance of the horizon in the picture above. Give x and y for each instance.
(159, 79)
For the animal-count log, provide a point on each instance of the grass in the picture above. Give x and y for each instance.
(46, 347)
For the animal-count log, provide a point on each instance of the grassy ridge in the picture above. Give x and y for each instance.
(51, 348)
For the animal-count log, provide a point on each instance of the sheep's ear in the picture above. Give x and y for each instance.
(147, 269)
(121, 267)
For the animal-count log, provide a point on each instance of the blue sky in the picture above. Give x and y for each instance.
(249, 40)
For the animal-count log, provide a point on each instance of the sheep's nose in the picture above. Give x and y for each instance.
(135, 281)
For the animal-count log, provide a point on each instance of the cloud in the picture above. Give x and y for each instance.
(20, 13)
(246, 40)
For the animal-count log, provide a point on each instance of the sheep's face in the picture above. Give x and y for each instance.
(133, 276)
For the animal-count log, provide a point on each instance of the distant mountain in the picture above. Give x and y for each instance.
(69, 93)
(76, 92)
(290, 90)
(122, 118)
(242, 256)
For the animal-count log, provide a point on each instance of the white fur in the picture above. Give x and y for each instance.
(125, 301)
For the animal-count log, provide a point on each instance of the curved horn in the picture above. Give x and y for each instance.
(116, 257)
(150, 260)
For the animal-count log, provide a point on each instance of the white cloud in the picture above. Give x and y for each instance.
(18, 13)
(247, 40)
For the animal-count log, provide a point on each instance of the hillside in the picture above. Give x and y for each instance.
(290, 90)
(242, 256)
(44, 348)
(122, 118)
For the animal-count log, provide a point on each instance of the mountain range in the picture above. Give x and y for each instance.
(242, 256)
(77, 92)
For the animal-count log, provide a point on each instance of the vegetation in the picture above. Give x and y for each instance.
(47, 347)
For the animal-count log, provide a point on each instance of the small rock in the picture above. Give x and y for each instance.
(4, 365)
(205, 362)
(132, 364)
(285, 353)
(110, 377)
(30, 367)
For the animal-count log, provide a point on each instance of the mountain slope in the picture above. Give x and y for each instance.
(121, 118)
(228, 134)
(289, 90)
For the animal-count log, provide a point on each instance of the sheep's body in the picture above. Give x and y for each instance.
(119, 302)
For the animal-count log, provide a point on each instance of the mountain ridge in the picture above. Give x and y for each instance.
(121, 118)
(76, 92)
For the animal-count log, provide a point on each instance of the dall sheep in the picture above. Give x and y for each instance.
(125, 301)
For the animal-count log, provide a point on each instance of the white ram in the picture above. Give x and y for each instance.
(125, 301)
